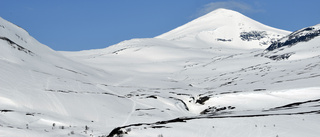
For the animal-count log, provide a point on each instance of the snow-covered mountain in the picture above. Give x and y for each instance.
(225, 27)
(202, 38)
(222, 74)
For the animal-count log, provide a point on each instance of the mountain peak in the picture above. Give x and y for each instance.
(222, 16)
(226, 27)
(222, 11)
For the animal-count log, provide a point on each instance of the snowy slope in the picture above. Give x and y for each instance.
(39, 87)
(191, 81)
(203, 38)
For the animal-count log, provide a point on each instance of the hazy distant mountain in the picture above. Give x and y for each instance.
(222, 74)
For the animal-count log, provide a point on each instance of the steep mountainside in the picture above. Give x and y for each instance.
(214, 76)
(41, 90)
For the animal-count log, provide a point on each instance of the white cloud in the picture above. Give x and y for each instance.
(233, 5)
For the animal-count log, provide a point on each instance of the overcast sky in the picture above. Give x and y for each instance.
(72, 25)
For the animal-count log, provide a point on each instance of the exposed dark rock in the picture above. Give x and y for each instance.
(280, 57)
(117, 51)
(106, 93)
(152, 96)
(253, 35)
(303, 35)
(224, 40)
(171, 121)
(220, 109)
(17, 46)
(184, 104)
(6, 110)
(202, 100)
(293, 105)
(116, 132)
(145, 109)
(181, 94)
(30, 114)
(259, 89)
(208, 110)
(213, 110)
(62, 91)
(230, 92)
(227, 83)
(120, 130)
(159, 127)
(70, 70)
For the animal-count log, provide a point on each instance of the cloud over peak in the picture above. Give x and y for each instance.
(232, 5)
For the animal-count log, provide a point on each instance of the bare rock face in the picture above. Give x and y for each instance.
(302, 35)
